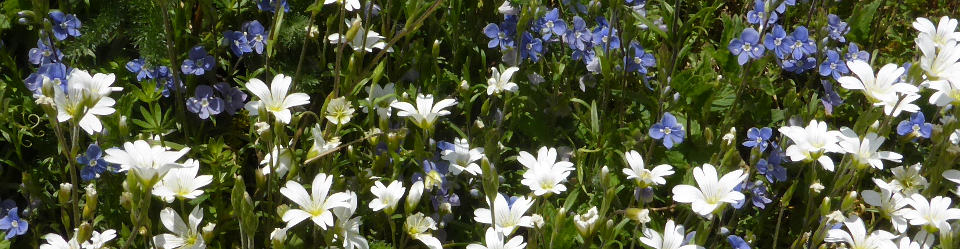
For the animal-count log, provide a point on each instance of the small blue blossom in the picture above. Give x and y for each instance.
(606, 38)
(256, 35)
(737, 243)
(43, 54)
(771, 169)
(586, 55)
(138, 66)
(778, 41)
(56, 72)
(575, 6)
(757, 192)
(233, 98)
(13, 225)
(531, 47)
(833, 66)
(837, 28)
(668, 130)
(64, 25)
(238, 42)
(854, 53)
(434, 173)
(271, 5)
(551, 25)
(758, 138)
(93, 164)
(783, 6)
(799, 66)
(802, 45)
(499, 36)
(830, 97)
(747, 46)
(579, 37)
(204, 103)
(635, 2)
(640, 60)
(199, 62)
(164, 78)
(758, 14)
(916, 126)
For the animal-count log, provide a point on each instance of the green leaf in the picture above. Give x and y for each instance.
(861, 20)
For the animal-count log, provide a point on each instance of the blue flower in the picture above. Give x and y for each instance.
(551, 25)
(585, 55)
(758, 14)
(164, 77)
(43, 54)
(499, 36)
(830, 97)
(64, 25)
(93, 164)
(770, 167)
(783, 6)
(640, 61)
(13, 224)
(204, 103)
(916, 126)
(757, 192)
(606, 38)
(635, 2)
(199, 62)
(256, 35)
(854, 53)
(575, 6)
(837, 28)
(802, 45)
(758, 138)
(747, 46)
(56, 72)
(579, 37)
(530, 47)
(434, 173)
(737, 243)
(799, 66)
(833, 66)
(271, 5)
(778, 41)
(669, 130)
(233, 98)
(238, 42)
(138, 67)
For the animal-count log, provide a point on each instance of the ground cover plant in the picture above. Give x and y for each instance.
(660, 124)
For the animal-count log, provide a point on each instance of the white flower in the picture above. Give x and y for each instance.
(183, 237)
(537, 220)
(507, 217)
(283, 161)
(941, 69)
(857, 237)
(641, 215)
(98, 239)
(349, 228)
(315, 205)
(339, 111)
(413, 197)
(544, 173)
(182, 183)
(672, 237)
(418, 227)
(462, 158)
(908, 180)
(425, 114)
(362, 39)
(809, 143)
(349, 5)
(865, 151)
(149, 163)
(495, 240)
(882, 90)
(587, 222)
(645, 177)
(279, 234)
(944, 31)
(85, 98)
(712, 191)
(387, 197)
(374, 95)
(501, 82)
(275, 99)
(320, 146)
(55, 241)
(890, 203)
(935, 213)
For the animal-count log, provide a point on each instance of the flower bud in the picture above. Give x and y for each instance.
(464, 85)
(208, 231)
(84, 232)
(91, 204)
(64, 193)
(638, 215)
(604, 174)
(537, 220)
(435, 50)
(126, 200)
(825, 206)
(278, 236)
(587, 223)
(816, 187)
(413, 197)
(122, 127)
(848, 200)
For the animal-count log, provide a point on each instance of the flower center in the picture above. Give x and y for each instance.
(666, 130)
(777, 41)
(14, 224)
(759, 140)
(916, 128)
(549, 24)
(530, 46)
(93, 163)
(747, 47)
(63, 25)
(637, 60)
(204, 102)
(501, 35)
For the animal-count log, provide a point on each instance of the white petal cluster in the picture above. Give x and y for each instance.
(642, 176)
(711, 191)
(275, 99)
(544, 175)
(85, 98)
(811, 142)
(884, 89)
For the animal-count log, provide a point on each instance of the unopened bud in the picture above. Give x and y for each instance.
(208, 231)
(436, 49)
(825, 206)
(126, 200)
(641, 215)
(848, 200)
(64, 193)
(413, 197)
